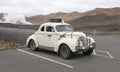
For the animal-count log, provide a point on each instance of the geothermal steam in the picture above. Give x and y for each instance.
(15, 19)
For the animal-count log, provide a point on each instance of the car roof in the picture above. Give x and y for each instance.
(54, 24)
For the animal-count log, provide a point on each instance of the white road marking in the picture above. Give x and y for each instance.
(108, 53)
(69, 66)
(100, 51)
(102, 55)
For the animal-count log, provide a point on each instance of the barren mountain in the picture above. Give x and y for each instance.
(107, 18)
(96, 20)
(107, 11)
(44, 18)
(76, 16)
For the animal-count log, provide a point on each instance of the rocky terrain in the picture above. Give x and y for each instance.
(72, 17)
(97, 18)
(102, 19)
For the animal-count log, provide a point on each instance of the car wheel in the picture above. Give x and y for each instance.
(88, 52)
(32, 45)
(65, 52)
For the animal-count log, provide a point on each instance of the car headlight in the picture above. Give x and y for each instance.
(81, 38)
(93, 45)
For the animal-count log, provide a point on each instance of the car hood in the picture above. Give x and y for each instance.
(73, 34)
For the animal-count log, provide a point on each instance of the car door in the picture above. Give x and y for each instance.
(50, 37)
(41, 36)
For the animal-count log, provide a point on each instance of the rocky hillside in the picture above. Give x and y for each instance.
(96, 16)
(97, 20)
(108, 11)
(101, 19)
(44, 18)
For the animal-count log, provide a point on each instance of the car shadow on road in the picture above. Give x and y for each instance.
(74, 56)
(80, 56)
(47, 52)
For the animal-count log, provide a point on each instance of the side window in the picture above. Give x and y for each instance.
(42, 29)
(49, 29)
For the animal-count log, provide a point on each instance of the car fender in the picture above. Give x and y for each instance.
(70, 42)
(91, 40)
(32, 37)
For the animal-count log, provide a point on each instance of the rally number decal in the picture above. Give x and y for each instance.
(49, 37)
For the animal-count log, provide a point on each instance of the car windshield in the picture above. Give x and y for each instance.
(61, 28)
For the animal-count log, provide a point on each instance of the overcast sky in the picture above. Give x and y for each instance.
(33, 7)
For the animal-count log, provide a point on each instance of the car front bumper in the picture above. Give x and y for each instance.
(83, 48)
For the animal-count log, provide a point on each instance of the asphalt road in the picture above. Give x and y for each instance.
(106, 58)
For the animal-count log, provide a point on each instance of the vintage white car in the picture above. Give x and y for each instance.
(59, 37)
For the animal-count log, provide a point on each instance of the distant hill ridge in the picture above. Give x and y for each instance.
(98, 15)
